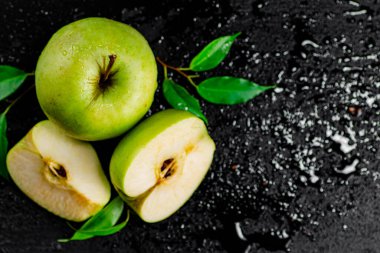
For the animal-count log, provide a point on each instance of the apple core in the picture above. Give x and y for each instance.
(167, 169)
(55, 173)
(57, 169)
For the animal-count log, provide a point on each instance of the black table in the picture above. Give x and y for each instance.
(280, 179)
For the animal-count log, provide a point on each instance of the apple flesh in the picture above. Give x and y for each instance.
(96, 78)
(59, 173)
(160, 163)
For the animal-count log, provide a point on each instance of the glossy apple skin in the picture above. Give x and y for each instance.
(68, 71)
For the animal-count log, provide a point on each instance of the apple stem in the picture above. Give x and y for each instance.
(180, 71)
(107, 71)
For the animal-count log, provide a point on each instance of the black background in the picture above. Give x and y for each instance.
(275, 170)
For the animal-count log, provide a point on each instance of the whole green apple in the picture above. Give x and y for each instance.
(161, 162)
(96, 78)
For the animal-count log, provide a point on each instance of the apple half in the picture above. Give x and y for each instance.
(160, 163)
(59, 173)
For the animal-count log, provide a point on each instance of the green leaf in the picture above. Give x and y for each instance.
(87, 234)
(229, 90)
(102, 223)
(3, 147)
(180, 98)
(10, 80)
(107, 231)
(213, 54)
(108, 216)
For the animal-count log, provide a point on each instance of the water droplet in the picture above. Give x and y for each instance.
(343, 141)
(348, 169)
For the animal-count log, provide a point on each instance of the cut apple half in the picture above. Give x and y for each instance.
(59, 173)
(159, 164)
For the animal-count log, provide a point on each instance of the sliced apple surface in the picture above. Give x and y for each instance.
(59, 173)
(160, 163)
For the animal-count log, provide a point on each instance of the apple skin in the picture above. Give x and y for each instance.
(138, 139)
(68, 73)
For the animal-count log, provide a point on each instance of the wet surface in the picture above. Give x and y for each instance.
(296, 169)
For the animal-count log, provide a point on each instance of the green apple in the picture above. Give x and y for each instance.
(160, 163)
(96, 78)
(60, 173)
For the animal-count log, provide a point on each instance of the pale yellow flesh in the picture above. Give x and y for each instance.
(156, 199)
(83, 192)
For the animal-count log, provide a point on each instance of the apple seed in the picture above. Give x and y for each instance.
(167, 168)
(56, 169)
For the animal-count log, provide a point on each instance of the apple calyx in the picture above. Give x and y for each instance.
(105, 75)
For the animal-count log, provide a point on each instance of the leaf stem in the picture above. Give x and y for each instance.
(71, 226)
(191, 82)
(165, 72)
(184, 69)
(179, 71)
(17, 99)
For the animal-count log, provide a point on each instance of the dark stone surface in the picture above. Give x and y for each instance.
(277, 173)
